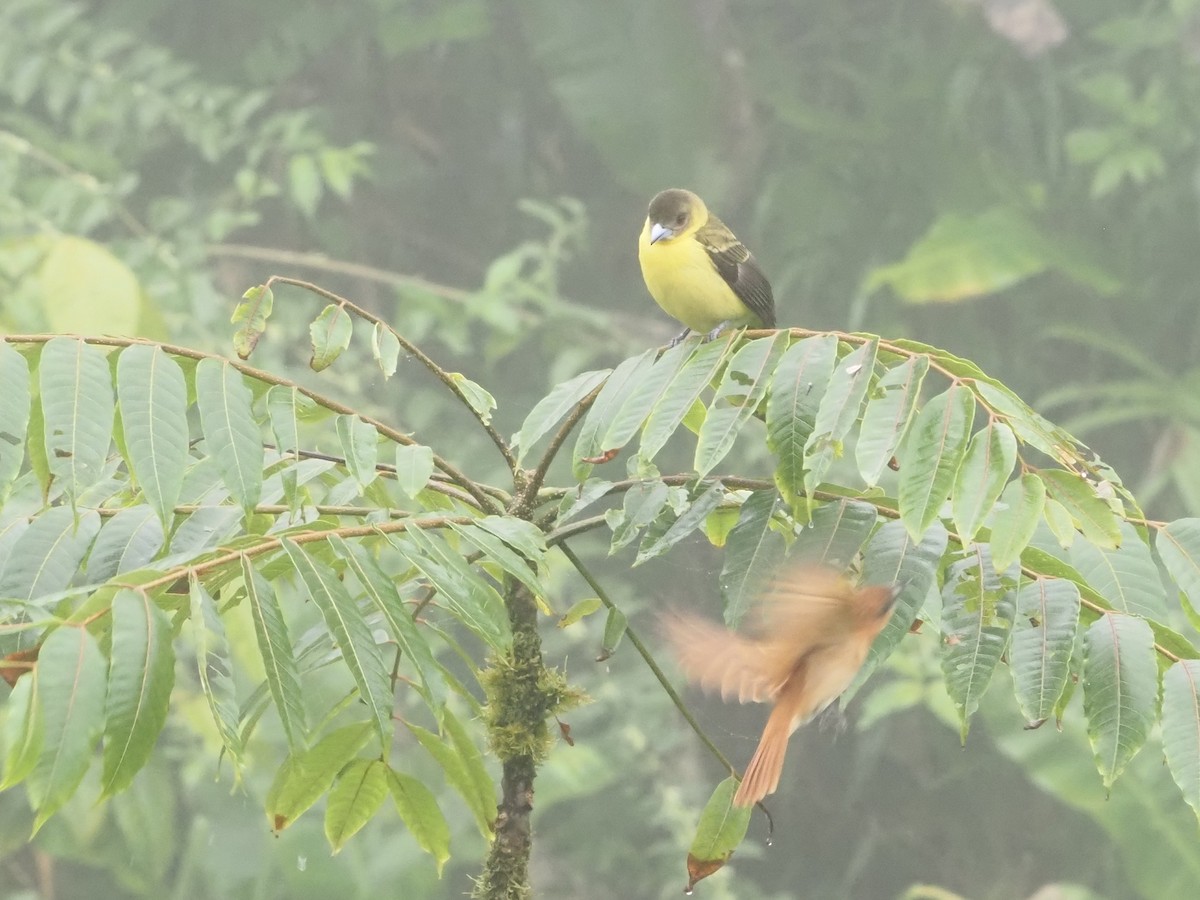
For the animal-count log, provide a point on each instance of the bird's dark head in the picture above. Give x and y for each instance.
(675, 212)
(877, 602)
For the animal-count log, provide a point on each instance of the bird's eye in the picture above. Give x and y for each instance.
(681, 218)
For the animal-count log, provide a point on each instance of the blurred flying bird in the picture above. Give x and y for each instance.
(810, 634)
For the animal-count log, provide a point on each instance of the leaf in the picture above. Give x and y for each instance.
(741, 389)
(1043, 641)
(419, 811)
(90, 289)
(286, 409)
(551, 409)
(752, 553)
(46, 556)
(617, 386)
(215, 664)
(455, 769)
(688, 521)
(985, 468)
(21, 731)
(835, 533)
(330, 333)
(1127, 576)
(383, 593)
(1092, 516)
(231, 436)
(385, 349)
(360, 446)
(127, 541)
(414, 467)
(1120, 690)
(496, 552)
(307, 774)
(720, 831)
(140, 678)
(1058, 520)
(643, 502)
(351, 635)
(14, 414)
(482, 796)
(968, 256)
(275, 647)
(578, 611)
(888, 413)
(1181, 727)
(642, 396)
(719, 523)
(356, 796)
(793, 399)
(892, 557)
(683, 391)
(615, 625)
(839, 410)
(524, 537)
(253, 311)
(977, 617)
(1178, 546)
(77, 407)
(1029, 426)
(581, 497)
(473, 601)
(304, 183)
(153, 400)
(70, 696)
(931, 455)
(476, 397)
(1016, 519)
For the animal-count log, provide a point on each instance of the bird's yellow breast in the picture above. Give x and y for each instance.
(683, 280)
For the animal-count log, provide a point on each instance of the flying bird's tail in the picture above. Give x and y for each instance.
(762, 775)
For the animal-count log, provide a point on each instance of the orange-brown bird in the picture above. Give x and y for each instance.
(810, 636)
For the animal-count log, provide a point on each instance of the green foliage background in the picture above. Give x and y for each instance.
(475, 173)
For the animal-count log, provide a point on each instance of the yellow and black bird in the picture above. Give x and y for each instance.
(698, 271)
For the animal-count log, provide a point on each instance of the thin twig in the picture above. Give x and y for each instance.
(648, 658)
(438, 482)
(628, 332)
(528, 495)
(323, 263)
(412, 349)
(269, 544)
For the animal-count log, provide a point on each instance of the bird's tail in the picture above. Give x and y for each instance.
(762, 775)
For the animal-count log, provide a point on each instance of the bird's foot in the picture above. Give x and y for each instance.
(832, 718)
(712, 335)
(679, 337)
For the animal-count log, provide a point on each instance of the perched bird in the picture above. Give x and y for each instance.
(698, 271)
(810, 635)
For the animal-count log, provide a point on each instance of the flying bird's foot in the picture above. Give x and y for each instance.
(832, 718)
(712, 335)
(679, 337)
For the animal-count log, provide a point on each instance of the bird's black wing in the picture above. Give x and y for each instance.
(739, 268)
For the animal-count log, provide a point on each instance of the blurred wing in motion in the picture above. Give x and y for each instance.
(801, 609)
(721, 660)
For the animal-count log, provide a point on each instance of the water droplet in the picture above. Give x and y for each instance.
(301, 863)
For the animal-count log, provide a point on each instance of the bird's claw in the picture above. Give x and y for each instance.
(712, 335)
(679, 337)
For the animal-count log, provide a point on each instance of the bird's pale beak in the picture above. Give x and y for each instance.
(658, 232)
